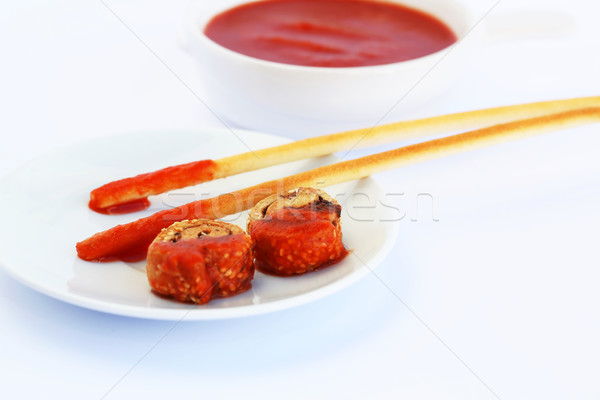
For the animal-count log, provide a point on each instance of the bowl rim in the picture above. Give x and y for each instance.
(196, 31)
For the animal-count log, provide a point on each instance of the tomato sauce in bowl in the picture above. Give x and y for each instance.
(329, 33)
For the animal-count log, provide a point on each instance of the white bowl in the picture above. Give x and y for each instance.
(302, 100)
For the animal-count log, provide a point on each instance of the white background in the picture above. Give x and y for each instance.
(497, 299)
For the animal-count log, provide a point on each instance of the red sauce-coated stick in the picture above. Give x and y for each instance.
(125, 241)
(129, 242)
(131, 194)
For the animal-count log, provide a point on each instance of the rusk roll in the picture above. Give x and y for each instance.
(296, 232)
(195, 261)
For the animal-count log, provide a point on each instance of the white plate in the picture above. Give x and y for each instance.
(43, 208)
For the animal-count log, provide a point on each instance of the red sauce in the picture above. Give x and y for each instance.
(130, 194)
(122, 208)
(329, 33)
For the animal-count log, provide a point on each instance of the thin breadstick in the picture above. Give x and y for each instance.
(138, 188)
(123, 240)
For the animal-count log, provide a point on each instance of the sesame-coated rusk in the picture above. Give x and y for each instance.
(296, 232)
(198, 260)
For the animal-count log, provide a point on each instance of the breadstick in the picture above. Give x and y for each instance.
(131, 240)
(131, 193)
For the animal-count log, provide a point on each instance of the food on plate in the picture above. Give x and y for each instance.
(329, 33)
(130, 194)
(132, 240)
(129, 242)
(296, 232)
(195, 261)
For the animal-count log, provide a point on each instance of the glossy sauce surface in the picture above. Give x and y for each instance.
(329, 33)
